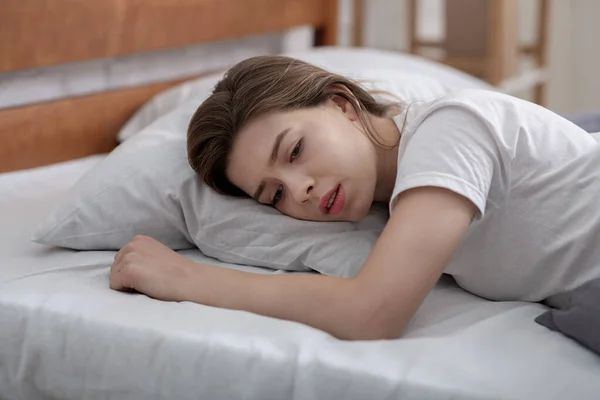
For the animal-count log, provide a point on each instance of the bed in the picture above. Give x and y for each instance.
(64, 334)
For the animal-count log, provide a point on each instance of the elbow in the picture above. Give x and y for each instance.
(377, 332)
(376, 327)
(372, 316)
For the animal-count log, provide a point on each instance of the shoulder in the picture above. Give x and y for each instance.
(478, 96)
(453, 146)
(480, 102)
(452, 121)
(469, 113)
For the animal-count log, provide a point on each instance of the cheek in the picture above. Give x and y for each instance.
(352, 141)
(351, 150)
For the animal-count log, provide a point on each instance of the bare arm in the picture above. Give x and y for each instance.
(418, 241)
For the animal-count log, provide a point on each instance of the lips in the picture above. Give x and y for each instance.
(333, 201)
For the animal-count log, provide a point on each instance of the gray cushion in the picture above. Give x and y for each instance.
(577, 315)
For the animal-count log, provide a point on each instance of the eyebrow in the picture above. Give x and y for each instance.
(272, 159)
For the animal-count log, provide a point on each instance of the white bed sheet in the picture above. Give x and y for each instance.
(64, 334)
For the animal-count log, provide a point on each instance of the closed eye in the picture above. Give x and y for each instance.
(297, 150)
(278, 196)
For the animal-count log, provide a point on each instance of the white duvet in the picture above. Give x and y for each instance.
(65, 335)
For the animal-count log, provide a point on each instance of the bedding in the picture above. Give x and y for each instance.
(64, 334)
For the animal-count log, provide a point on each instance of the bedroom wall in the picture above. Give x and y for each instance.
(582, 66)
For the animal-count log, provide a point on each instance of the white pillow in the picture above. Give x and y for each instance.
(147, 187)
(165, 102)
(410, 77)
(347, 60)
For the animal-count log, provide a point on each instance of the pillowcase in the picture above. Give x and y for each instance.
(347, 60)
(146, 186)
(163, 103)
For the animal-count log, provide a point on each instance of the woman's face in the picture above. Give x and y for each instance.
(313, 164)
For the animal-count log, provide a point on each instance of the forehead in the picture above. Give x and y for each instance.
(253, 145)
(257, 137)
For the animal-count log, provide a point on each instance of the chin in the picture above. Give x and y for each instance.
(356, 218)
(358, 213)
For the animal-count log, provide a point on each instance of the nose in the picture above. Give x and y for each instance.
(301, 189)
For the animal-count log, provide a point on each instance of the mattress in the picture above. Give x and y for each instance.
(64, 334)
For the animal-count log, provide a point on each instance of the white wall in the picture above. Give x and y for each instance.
(583, 74)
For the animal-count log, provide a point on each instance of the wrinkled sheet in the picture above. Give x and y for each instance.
(64, 334)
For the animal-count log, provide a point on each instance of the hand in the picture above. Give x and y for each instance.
(149, 267)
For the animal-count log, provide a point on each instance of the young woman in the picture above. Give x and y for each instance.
(498, 192)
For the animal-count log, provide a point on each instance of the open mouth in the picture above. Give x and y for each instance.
(332, 199)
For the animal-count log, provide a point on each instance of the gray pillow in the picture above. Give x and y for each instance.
(587, 120)
(577, 315)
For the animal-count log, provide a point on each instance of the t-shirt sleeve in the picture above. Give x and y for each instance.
(452, 148)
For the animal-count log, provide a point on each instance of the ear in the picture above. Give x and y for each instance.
(342, 102)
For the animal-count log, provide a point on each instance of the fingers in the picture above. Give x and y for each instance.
(118, 256)
(122, 272)
(122, 252)
(138, 243)
(117, 277)
(123, 275)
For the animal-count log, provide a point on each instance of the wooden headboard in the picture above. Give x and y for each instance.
(40, 33)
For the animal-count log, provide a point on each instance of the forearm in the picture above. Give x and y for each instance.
(328, 303)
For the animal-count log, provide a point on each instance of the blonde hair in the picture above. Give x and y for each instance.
(259, 86)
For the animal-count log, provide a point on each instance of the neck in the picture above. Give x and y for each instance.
(387, 157)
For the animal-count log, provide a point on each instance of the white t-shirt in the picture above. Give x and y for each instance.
(535, 178)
